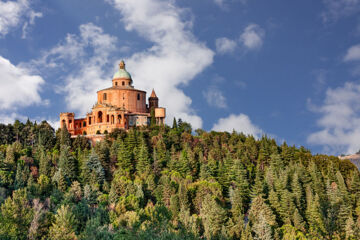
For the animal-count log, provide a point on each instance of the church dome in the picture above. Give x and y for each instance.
(122, 73)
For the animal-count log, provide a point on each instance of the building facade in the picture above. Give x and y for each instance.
(120, 106)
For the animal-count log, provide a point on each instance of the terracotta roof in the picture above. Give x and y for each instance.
(153, 94)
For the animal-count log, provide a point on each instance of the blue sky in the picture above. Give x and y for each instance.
(289, 69)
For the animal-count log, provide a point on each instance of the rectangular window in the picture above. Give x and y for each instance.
(107, 118)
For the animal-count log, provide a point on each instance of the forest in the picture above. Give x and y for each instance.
(170, 182)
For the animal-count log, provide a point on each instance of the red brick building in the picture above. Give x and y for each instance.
(120, 106)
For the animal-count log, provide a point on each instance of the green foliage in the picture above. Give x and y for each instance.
(15, 216)
(64, 226)
(165, 183)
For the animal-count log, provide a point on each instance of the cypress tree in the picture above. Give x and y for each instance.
(174, 126)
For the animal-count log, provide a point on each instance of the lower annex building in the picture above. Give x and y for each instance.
(120, 106)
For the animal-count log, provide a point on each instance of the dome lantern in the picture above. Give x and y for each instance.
(122, 73)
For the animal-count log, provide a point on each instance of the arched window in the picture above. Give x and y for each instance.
(119, 118)
(123, 83)
(100, 115)
(112, 119)
(107, 118)
(138, 96)
(105, 97)
(84, 124)
(89, 120)
(63, 123)
(115, 83)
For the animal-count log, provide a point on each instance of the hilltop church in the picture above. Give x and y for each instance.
(120, 106)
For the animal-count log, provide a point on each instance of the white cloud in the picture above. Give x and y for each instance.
(339, 121)
(225, 45)
(214, 97)
(252, 37)
(353, 53)
(175, 57)
(13, 13)
(335, 9)
(9, 118)
(239, 123)
(18, 87)
(224, 4)
(88, 55)
(32, 16)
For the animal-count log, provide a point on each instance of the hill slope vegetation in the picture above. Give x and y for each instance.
(167, 183)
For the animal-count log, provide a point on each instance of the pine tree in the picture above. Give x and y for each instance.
(349, 227)
(258, 206)
(124, 158)
(315, 217)
(262, 228)
(15, 216)
(94, 169)
(104, 157)
(64, 226)
(143, 162)
(22, 175)
(44, 162)
(10, 157)
(67, 164)
(213, 217)
(298, 221)
(297, 191)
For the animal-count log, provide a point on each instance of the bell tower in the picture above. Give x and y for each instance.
(153, 100)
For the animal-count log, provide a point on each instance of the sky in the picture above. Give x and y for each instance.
(286, 69)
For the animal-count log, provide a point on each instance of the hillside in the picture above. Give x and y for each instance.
(167, 183)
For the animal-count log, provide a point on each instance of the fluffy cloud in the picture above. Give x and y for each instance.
(353, 53)
(214, 97)
(224, 3)
(225, 45)
(88, 54)
(239, 123)
(18, 87)
(10, 118)
(339, 121)
(252, 37)
(175, 57)
(13, 13)
(335, 9)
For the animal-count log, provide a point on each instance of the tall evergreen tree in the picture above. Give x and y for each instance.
(64, 226)
(15, 216)
(67, 164)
